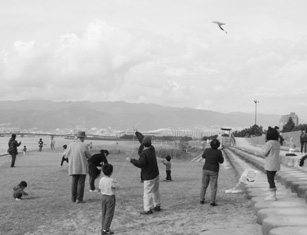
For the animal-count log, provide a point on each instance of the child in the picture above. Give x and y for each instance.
(64, 157)
(18, 190)
(24, 150)
(107, 186)
(167, 164)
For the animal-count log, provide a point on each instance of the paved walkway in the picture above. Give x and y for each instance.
(287, 215)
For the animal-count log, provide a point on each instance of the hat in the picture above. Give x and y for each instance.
(146, 141)
(81, 134)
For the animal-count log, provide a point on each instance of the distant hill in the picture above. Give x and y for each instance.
(48, 115)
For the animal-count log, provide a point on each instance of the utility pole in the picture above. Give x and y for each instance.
(256, 102)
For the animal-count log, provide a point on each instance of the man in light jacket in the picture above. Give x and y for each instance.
(78, 153)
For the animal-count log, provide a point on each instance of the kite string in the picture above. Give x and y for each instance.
(132, 147)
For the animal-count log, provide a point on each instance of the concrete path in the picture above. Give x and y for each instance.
(287, 215)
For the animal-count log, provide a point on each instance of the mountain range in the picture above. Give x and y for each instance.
(48, 115)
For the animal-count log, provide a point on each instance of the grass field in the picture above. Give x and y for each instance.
(49, 210)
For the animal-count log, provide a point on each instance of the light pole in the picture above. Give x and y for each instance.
(256, 102)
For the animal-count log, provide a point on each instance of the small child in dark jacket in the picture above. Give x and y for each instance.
(18, 190)
(168, 165)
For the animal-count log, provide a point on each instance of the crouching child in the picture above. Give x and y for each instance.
(18, 191)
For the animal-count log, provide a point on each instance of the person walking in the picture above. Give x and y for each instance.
(40, 145)
(64, 156)
(96, 160)
(270, 151)
(213, 158)
(77, 154)
(12, 150)
(150, 172)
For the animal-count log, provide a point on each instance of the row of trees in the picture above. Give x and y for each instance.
(290, 126)
(256, 130)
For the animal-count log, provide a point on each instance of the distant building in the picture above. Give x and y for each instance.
(285, 118)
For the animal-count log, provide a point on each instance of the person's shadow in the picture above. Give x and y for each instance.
(30, 197)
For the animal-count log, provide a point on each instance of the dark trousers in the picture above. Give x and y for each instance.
(168, 175)
(77, 187)
(209, 177)
(303, 147)
(271, 176)
(94, 172)
(107, 209)
(13, 155)
(64, 160)
(17, 195)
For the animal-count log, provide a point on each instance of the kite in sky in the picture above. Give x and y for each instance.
(219, 24)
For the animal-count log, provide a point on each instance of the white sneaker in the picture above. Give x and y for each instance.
(17, 199)
(95, 190)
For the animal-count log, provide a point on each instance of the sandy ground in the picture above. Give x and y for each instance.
(48, 209)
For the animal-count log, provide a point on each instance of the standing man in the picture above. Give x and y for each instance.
(97, 160)
(150, 172)
(78, 153)
(303, 141)
(12, 150)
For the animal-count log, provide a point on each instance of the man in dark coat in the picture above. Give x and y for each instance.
(140, 138)
(12, 150)
(97, 160)
(150, 172)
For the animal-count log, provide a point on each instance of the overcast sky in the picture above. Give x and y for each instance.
(166, 52)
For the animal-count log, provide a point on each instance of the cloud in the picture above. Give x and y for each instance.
(203, 70)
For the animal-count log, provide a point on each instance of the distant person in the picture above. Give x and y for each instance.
(168, 165)
(107, 186)
(270, 151)
(280, 138)
(95, 162)
(40, 145)
(213, 158)
(24, 150)
(78, 153)
(150, 172)
(18, 191)
(303, 141)
(52, 144)
(12, 150)
(90, 146)
(64, 156)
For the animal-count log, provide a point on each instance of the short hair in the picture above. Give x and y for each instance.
(104, 151)
(107, 169)
(23, 184)
(13, 136)
(272, 134)
(65, 146)
(215, 143)
(168, 158)
(147, 141)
